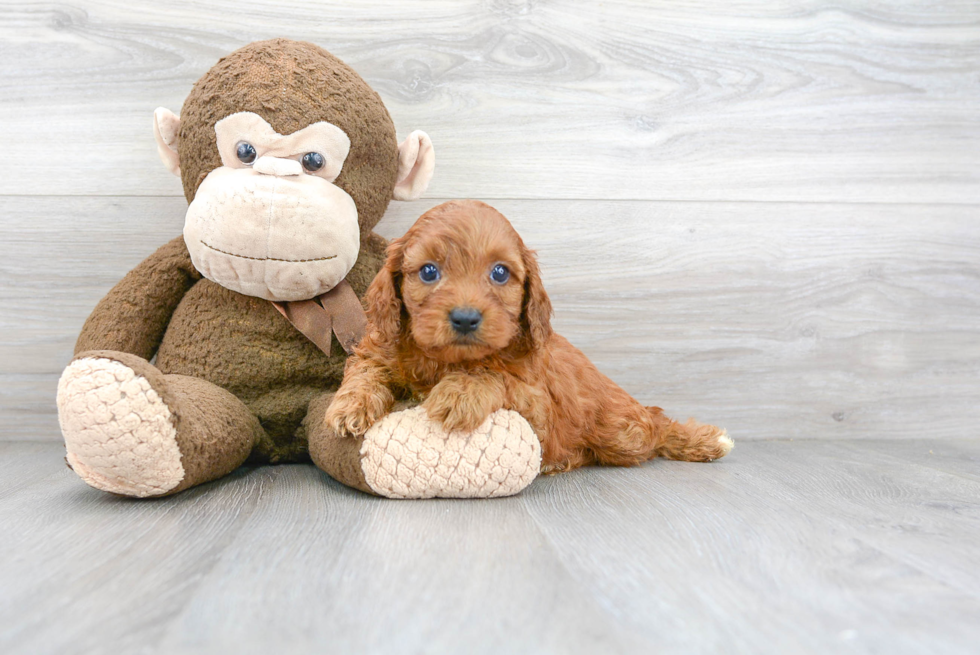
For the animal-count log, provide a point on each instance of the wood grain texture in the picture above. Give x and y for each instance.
(626, 99)
(825, 545)
(949, 456)
(775, 320)
(803, 547)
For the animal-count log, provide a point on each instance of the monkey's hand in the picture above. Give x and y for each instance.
(462, 401)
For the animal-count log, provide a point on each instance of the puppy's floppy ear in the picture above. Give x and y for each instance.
(383, 298)
(536, 311)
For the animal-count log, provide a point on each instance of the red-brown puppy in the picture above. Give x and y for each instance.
(458, 317)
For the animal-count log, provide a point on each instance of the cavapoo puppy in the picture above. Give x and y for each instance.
(458, 318)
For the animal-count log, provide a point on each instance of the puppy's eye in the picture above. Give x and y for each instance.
(429, 273)
(499, 274)
(245, 152)
(313, 161)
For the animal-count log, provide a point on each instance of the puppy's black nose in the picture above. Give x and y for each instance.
(465, 319)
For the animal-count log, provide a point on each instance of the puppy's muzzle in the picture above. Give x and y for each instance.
(465, 319)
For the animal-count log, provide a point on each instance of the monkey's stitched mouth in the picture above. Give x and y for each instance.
(266, 259)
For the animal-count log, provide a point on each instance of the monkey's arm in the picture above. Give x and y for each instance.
(134, 314)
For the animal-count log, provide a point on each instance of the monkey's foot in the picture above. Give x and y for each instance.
(119, 433)
(407, 455)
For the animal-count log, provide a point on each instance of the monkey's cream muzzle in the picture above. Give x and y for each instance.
(269, 228)
(278, 238)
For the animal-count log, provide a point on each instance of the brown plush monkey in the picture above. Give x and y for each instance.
(288, 160)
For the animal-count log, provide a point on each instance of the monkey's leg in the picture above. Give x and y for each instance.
(131, 430)
(339, 456)
(407, 455)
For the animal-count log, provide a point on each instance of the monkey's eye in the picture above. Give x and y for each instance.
(245, 152)
(429, 273)
(499, 274)
(313, 161)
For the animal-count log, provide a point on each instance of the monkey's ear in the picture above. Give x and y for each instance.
(416, 161)
(166, 129)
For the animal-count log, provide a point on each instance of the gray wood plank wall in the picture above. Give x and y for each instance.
(765, 214)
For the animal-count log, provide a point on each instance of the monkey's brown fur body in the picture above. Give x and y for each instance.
(241, 344)
(238, 378)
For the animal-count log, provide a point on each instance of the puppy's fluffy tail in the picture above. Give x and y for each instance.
(689, 442)
(643, 433)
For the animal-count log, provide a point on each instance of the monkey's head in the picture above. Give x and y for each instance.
(288, 158)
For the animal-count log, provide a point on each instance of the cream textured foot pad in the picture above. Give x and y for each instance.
(405, 455)
(119, 432)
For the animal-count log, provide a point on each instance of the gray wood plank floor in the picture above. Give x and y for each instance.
(784, 547)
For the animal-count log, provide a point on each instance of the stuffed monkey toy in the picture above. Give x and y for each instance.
(288, 159)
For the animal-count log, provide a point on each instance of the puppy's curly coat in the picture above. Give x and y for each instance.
(458, 317)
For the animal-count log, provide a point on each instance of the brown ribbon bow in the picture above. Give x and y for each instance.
(338, 311)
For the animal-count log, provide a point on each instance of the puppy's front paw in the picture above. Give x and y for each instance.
(459, 406)
(352, 414)
(454, 419)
